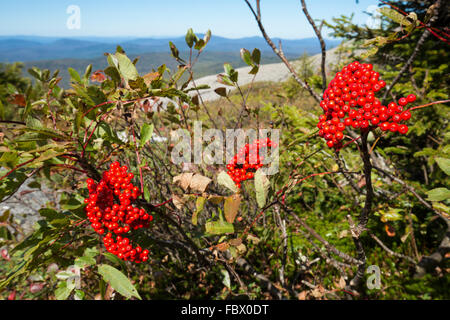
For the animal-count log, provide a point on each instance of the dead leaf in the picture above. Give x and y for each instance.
(149, 77)
(199, 183)
(223, 246)
(253, 239)
(389, 230)
(98, 76)
(231, 207)
(215, 199)
(178, 202)
(302, 295)
(18, 99)
(361, 183)
(342, 283)
(343, 234)
(183, 180)
(236, 242)
(189, 180)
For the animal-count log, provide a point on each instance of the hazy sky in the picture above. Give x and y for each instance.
(146, 18)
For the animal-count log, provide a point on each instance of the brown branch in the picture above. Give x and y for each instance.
(398, 255)
(327, 245)
(279, 52)
(416, 50)
(322, 44)
(412, 190)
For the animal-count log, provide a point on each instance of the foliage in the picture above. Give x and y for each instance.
(206, 231)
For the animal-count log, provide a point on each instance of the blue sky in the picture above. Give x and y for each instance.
(158, 18)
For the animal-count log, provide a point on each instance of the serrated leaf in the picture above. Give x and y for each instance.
(444, 164)
(225, 180)
(438, 194)
(118, 281)
(262, 185)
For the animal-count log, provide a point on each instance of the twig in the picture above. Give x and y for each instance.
(279, 52)
(416, 50)
(322, 44)
(399, 255)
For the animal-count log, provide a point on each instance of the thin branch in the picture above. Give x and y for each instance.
(322, 44)
(398, 255)
(416, 50)
(279, 52)
(327, 245)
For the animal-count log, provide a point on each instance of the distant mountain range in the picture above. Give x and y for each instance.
(34, 48)
(61, 53)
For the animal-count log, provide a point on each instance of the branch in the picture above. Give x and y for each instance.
(399, 255)
(419, 44)
(327, 245)
(364, 216)
(412, 190)
(322, 44)
(280, 52)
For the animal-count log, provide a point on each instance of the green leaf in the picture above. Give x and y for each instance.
(226, 278)
(5, 216)
(118, 281)
(63, 291)
(88, 71)
(392, 214)
(114, 259)
(2, 110)
(74, 75)
(444, 164)
(225, 180)
(146, 133)
(84, 261)
(174, 50)
(199, 204)
(438, 194)
(261, 187)
(224, 79)
(218, 227)
(79, 295)
(394, 16)
(126, 68)
(35, 72)
(228, 68)
(256, 56)
(207, 36)
(246, 56)
(190, 38)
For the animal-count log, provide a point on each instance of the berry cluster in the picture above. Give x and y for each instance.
(350, 100)
(120, 218)
(245, 163)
